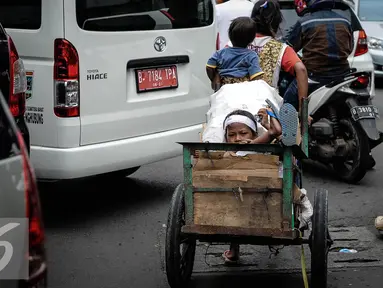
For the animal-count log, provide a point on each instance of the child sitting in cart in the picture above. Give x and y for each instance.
(235, 64)
(240, 126)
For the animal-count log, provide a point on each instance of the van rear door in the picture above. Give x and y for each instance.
(141, 63)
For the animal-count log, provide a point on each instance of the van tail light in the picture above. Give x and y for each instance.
(362, 45)
(18, 81)
(217, 42)
(66, 79)
(36, 255)
(361, 82)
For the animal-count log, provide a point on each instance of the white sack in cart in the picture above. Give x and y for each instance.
(249, 96)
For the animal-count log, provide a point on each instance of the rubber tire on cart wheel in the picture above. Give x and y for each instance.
(178, 267)
(360, 159)
(319, 240)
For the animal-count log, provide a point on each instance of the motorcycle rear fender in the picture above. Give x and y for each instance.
(374, 143)
(322, 96)
(367, 125)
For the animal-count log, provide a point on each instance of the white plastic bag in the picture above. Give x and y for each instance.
(307, 212)
(249, 96)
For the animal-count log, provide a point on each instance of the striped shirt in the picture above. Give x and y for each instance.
(326, 40)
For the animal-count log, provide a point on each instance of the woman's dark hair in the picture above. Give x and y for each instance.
(243, 113)
(242, 31)
(268, 16)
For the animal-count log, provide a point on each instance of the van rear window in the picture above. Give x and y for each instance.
(20, 14)
(140, 15)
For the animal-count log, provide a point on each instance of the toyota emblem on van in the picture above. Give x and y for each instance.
(160, 44)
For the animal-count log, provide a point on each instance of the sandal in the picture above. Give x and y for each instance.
(288, 117)
(229, 260)
(378, 224)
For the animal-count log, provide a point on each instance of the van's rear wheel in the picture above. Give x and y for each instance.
(122, 173)
(130, 171)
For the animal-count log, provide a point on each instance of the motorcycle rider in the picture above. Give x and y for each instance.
(326, 40)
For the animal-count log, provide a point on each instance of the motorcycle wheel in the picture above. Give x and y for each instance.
(353, 169)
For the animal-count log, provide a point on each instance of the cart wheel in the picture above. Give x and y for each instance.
(179, 250)
(320, 240)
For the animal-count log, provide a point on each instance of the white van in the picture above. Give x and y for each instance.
(112, 84)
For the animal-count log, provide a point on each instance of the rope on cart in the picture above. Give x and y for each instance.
(274, 250)
(303, 263)
(207, 249)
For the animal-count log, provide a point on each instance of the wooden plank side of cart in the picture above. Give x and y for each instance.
(222, 211)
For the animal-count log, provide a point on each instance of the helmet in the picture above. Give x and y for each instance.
(303, 6)
(300, 7)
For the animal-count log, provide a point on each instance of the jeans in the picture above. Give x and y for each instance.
(291, 94)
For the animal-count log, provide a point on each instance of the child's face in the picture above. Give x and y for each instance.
(238, 132)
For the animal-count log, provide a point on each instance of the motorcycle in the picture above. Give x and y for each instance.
(343, 131)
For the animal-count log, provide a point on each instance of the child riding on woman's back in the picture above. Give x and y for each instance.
(236, 64)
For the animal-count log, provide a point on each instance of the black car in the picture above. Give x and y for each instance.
(19, 196)
(19, 199)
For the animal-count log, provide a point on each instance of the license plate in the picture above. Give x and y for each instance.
(364, 112)
(156, 78)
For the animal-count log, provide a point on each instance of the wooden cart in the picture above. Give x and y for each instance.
(245, 200)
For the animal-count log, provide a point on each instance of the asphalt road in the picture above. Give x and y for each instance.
(102, 237)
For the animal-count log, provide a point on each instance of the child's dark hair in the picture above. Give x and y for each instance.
(242, 31)
(267, 16)
(243, 113)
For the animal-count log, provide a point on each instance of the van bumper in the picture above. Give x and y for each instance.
(70, 163)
